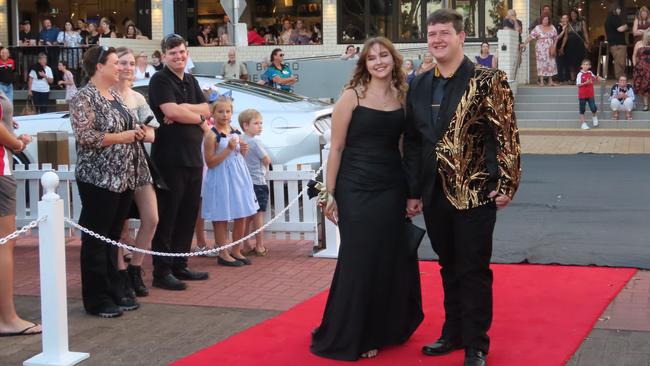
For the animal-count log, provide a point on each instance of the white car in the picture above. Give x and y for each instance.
(289, 131)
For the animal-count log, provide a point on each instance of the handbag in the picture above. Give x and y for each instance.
(413, 236)
(157, 178)
(29, 107)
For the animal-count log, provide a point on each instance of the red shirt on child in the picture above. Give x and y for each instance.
(587, 90)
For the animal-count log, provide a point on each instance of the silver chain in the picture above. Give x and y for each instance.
(192, 254)
(23, 230)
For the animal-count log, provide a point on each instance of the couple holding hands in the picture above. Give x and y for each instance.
(448, 147)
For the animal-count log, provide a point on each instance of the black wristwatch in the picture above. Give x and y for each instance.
(202, 119)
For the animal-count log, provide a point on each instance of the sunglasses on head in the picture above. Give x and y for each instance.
(171, 36)
(102, 52)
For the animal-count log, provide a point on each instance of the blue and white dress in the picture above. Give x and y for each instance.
(228, 189)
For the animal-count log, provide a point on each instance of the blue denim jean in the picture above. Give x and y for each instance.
(8, 89)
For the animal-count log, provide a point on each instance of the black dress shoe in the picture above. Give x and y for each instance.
(107, 311)
(169, 282)
(128, 304)
(226, 263)
(475, 357)
(246, 261)
(440, 347)
(187, 275)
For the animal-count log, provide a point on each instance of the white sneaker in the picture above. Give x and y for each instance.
(595, 121)
(584, 126)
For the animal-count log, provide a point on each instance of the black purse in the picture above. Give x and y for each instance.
(157, 178)
(413, 236)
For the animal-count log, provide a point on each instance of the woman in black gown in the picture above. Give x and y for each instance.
(375, 299)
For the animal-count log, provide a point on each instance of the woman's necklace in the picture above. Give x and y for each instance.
(383, 100)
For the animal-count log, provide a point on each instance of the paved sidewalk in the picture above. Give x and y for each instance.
(597, 141)
(172, 325)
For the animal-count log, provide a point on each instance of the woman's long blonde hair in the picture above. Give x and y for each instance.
(647, 13)
(361, 76)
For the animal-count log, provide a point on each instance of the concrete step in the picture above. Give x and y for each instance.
(559, 106)
(638, 116)
(555, 90)
(556, 98)
(575, 123)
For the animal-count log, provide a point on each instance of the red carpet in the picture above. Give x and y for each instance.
(542, 314)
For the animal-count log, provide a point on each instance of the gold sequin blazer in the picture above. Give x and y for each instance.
(473, 146)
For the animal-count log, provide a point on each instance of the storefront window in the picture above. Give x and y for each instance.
(118, 12)
(410, 21)
(405, 20)
(352, 21)
(268, 17)
(469, 9)
(495, 11)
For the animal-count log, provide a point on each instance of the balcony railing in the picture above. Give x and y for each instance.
(26, 56)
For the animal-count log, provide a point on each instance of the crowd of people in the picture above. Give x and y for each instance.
(76, 34)
(563, 54)
(287, 33)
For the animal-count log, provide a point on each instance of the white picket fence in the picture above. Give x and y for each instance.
(285, 183)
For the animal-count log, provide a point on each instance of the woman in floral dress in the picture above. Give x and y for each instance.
(546, 37)
(641, 61)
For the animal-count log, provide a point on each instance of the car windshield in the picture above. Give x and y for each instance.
(247, 87)
(261, 91)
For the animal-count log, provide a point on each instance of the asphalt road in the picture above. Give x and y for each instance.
(583, 209)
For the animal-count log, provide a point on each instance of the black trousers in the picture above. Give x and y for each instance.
(563, 68)
(41, 101)
(178, 208)
(463, 241)
(103, 212)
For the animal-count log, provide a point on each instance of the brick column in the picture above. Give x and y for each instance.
(329, 23)
(4, 23)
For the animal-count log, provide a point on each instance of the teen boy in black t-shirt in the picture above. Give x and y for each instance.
(177, 99)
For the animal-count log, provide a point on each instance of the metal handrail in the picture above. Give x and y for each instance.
(603, 62)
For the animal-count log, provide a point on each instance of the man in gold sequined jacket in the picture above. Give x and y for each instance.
(462, 160)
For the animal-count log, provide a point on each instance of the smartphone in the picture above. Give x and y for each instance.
(147, 120)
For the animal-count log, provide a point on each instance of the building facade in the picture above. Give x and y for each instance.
(341, 22)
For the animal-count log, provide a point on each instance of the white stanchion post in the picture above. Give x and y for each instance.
(332, 237)
(54, 307)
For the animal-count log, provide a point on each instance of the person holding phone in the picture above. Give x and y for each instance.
(110, 166)
(351, 53)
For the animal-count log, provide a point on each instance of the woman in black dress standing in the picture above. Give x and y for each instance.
(375, 299)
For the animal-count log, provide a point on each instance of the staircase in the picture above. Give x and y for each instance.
(557, 108)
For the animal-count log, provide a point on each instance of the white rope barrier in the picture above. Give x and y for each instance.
(23, 230)
(53, 273)
(198, 253)
(35, 223)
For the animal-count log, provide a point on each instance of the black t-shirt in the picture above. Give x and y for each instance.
(24, 36)
(614, 37)
(176, 144)
(91, 40)
(84, 36)
(159, 66)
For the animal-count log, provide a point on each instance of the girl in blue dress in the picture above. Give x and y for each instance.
(227, 190)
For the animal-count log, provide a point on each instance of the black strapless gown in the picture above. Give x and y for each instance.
(375, 298)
